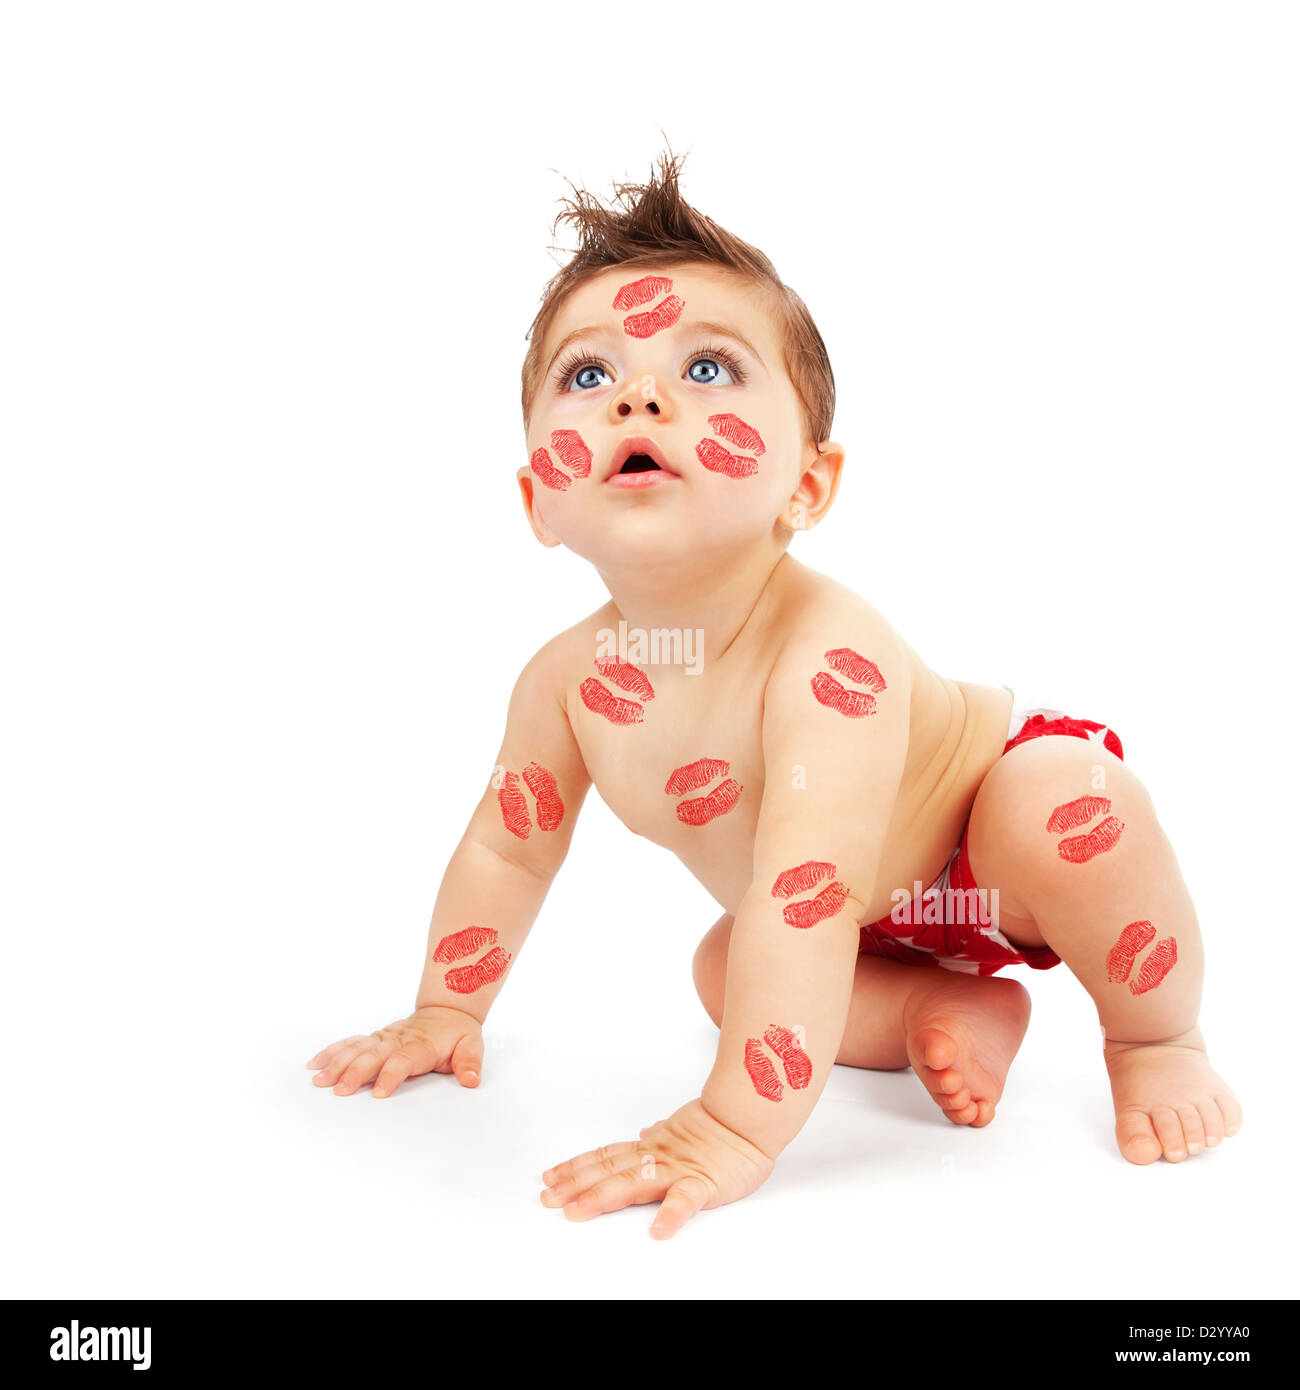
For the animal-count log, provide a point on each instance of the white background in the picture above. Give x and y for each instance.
(265, 277)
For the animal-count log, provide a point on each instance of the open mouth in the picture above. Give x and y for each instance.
(639, 463)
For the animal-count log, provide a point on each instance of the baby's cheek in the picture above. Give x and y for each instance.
(732, 448)
(560, 458)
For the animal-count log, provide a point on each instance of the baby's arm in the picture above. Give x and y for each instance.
(491, 893)
(831, 780)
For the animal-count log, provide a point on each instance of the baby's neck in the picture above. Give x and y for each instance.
(714, 601)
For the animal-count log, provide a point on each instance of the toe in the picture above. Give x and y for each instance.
(1193, 1128)
(959, 1100)
(936, 1047)
(966, 1115)
(1211, 1122)
(986, 1112)
(1137, 1139)
(1231, 1112)
(1169, 1130)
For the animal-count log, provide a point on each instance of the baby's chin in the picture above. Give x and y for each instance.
(645, 542)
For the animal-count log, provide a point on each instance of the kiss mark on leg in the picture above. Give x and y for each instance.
(573, 451)
(797, 1063)
(1137, 936)
(720, 460)
(1076, 813)
(1163, 958)
(514, 809)
(1078, 849)
(663, 315)
(463, 943)
(642, 291)
(809, 911)
(467, 979)
(761, 1071)
(599, 700)
(736, 431)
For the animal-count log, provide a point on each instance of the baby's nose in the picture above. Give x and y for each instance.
(641, 397)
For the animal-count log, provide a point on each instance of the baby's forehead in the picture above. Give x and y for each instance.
(689, 292)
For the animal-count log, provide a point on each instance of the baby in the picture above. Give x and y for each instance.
(883, 839)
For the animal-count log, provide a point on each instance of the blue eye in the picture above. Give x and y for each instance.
(708, 371)
(585, 378)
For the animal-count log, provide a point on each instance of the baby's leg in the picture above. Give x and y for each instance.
(1068, 836)
(958, 1032)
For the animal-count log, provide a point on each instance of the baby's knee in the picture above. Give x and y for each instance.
(709, 967)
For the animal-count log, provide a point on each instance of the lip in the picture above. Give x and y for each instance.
(638, 444)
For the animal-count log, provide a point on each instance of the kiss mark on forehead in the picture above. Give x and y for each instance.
(642, 291)
(650, 321)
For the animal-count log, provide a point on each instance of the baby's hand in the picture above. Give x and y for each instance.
(687, 1162)
(434, 1038)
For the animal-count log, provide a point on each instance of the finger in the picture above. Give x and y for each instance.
(684, 1198)
(467, 1059)
(402, 1064)
(327, 1054)
(360, 1070)
(340, 1061)
(626, 1189)
(563, 1171)
(567, 1189)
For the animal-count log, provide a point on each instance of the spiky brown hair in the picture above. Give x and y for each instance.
(651, 224)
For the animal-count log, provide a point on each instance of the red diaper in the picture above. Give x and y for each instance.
(950, 924)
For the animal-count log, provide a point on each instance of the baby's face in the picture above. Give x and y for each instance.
(664, 427)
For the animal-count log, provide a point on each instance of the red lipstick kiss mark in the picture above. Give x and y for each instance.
(467, 979)
(1075, 813)
(574, 454)
(794, 1061)
(463, 943)
(736, 431)
(1078, 849)
(797, 1063)
(803, 877)
(600, 700)
(853, 704)
(719, 460)
(1163, 958)
(1137, 936)
(515, 815)
(642, 291)
(761, 1071)
(700, 810)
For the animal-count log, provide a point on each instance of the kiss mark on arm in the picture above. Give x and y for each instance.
(467, 979)
(797, 1063)
(852, 704)
(807, 912)
(550, 809)
(1163, 958)
(1137, 936)
(761, 1071)
(514, 809)
(463, 943)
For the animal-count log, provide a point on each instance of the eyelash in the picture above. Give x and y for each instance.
(570, 365)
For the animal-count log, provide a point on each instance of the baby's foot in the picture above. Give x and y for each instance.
(962, 1032)
(1168, 1099)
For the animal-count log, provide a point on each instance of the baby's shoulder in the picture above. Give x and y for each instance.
(567, 656)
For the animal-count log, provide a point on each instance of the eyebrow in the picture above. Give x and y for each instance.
(697, 326)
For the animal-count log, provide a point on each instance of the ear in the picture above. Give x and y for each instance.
(527, 486)
(812, 498)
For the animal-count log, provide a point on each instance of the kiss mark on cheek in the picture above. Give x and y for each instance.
(515, 815)
(795, 1062)
(719, 460)
(735, 431)
(599, 699)
(652, 321)
(467, 979)
(463, 943)
(852, 704)
(574, 454)
(802, 879)
(700, 810)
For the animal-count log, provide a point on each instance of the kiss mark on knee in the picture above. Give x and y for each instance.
(795, 1062)
(1133, 940)
(1078, 849)
(463, 943)
(467, 979)
(515, 814)
(700, 810)
(599, 699)
(651, 321)
(853, 704)
(807, 912)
